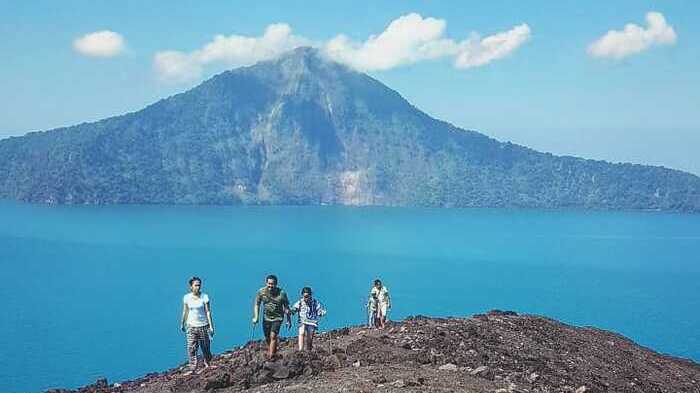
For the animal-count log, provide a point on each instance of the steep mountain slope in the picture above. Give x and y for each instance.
(305, 130)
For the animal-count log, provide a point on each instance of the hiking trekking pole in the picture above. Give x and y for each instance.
(248, 344)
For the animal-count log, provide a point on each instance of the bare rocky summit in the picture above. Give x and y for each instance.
(493, 352)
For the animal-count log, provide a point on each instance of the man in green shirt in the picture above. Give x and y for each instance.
(275, 307)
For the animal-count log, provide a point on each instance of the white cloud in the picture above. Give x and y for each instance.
(408, 39)
(232, 51)
(412, 38)
(476, 52)
(103, 43)
(176, 67)
(634, 39)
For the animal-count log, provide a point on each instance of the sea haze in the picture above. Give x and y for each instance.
(96, 291)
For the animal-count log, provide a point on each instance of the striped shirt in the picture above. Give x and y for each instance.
(309, 312)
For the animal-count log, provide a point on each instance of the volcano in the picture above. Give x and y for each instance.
(304, 130)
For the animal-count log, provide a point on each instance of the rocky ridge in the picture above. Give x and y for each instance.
(494, 352)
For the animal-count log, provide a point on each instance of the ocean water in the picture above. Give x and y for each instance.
(96, 291)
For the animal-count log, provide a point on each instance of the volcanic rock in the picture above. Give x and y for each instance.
(500, 351)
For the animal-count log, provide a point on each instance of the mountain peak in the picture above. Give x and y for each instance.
(306, 60)
(303, 52)
(308, 74)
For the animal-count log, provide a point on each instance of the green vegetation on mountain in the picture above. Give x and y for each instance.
(305, 130)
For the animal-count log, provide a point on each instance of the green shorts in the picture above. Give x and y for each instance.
(271, 326)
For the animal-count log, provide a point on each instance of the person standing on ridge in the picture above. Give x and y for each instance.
(197, 322)
(275, 307)
(372, 306)
(384, 302)
(310, 310)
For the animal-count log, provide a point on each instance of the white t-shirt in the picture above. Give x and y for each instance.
(382, 295)
(197, 314)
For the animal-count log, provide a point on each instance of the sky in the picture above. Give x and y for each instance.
(616, 81)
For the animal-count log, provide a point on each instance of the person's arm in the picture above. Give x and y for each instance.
(185, 310)
(388, 299)
(256, 307)
(295, 308)
(207, 307)
(287, 312)
(321, 309)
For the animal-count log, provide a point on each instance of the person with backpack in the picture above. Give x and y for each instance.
(310, 310)
(275, 308)
(197, 323)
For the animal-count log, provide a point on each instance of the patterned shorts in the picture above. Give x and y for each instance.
(198, 337)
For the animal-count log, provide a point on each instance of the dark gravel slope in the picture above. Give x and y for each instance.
(495, 352)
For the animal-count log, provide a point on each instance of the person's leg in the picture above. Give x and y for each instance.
(192, 346)
(300, 340)
(384, 309)
(206, 346)
(272, 348)
(191, 349)
(310, 331)
(274, 333)
(266, 331)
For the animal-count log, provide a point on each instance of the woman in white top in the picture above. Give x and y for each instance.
(197, 322)
(383, 302)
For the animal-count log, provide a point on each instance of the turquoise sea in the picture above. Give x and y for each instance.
(96, 291)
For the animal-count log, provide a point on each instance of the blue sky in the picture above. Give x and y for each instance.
(633, 99)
